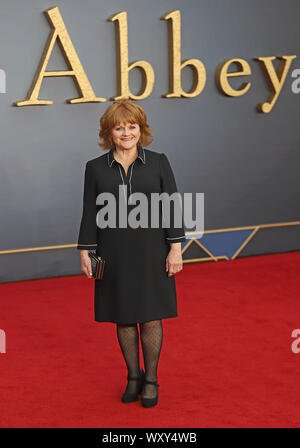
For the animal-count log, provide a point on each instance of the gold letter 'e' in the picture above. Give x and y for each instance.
(175, 64)
(123, 68)
(59, 30)
(222, 76)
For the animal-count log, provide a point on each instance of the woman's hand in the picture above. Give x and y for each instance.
(174, 259)
(86, 264)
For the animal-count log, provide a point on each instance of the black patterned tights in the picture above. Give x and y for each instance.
(151, 339)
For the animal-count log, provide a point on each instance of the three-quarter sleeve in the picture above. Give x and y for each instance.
(168, 185)
(87, 239)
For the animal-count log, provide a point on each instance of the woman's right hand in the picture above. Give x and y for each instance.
(86, 264)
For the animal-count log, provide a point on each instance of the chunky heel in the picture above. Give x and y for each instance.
(149, 402)
(131, 397)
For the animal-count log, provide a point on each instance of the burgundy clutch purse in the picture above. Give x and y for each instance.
(98, 264)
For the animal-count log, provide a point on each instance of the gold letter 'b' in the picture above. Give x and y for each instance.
(175, 65)
(59, 30)
(123, 68)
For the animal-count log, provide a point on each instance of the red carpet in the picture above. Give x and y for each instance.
(226, 360)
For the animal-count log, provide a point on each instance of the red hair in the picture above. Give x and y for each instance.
(126, 111)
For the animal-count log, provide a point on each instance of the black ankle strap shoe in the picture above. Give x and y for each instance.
(149, 402)
(129, 397)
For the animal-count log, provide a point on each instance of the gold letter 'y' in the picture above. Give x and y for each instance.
(59, 31)
(274, 80)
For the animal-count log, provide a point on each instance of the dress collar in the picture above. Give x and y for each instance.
(111, 159)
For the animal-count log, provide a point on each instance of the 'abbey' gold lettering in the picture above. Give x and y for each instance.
(59, 33)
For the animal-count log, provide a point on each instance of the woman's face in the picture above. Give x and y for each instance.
(126, 135)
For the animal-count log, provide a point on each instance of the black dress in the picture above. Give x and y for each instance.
(135, 286)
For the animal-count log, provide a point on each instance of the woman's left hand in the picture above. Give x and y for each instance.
(174, 259)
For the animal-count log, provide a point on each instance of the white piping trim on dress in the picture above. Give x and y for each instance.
(112, 161)
(87, 244)
(143, 159)
(176, 238)
(123, 183)
(130, 178)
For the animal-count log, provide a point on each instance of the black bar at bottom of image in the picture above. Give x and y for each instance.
(99, 437)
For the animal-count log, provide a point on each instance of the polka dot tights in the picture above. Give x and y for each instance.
(151, 335)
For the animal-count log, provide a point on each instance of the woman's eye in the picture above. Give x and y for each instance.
(133, 126)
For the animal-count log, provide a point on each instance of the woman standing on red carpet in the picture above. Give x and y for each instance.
(138, 285)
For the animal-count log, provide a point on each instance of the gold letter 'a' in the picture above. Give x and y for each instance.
(59, 30)
(123, 68)
(175, 65)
